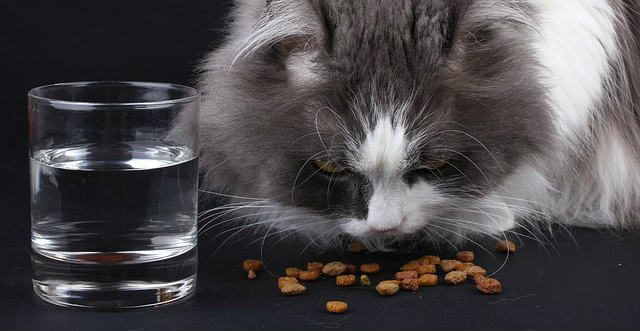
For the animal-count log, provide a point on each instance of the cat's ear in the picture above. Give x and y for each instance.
(286, 26)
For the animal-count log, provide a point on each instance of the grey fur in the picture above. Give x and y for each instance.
(466, 66)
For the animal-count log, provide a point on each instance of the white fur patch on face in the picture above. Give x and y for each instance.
(383, 153)
(575, 42)
(302, 68)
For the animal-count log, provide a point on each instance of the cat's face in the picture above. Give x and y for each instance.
(378, 119)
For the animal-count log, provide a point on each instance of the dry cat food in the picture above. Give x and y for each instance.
(370, 268)
(410, 284)
(351, 268)
(455, 277)
(410, 266)
(308, 276)
(428, 280)
(506, 246)
(355, 247)
(334, 268)
(292, 288)
(465, 256)
(426, 269)
(430, 259)
(292, 272)
(464, 266)
(364, 280)
(337, 307)
(448, 265)
(286, 280)
(346, 280)
(251, 264)
(475, 271)
(488, 285)
(387, 288)
(251, 274)
(315, 266)
(406, 274)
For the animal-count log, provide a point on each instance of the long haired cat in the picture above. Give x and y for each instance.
(423, 119)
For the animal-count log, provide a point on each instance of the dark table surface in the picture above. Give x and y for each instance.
(589, 283)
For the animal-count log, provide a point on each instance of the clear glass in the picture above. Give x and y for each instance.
(114, 181)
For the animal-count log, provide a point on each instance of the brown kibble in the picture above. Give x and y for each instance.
(426, 269)
(395, 281)
(334, 268)
(410, 284)
(370, 268)
(387, 288)
(406, 274)
(315, 266)
(286, 280)
(292, 289)
(351, 268)
(251, 274)
(308, 276)
(355, 247)
(428, 280)
(455, 277)
(292, 272)
(448, 265)
(506, 246)
(337, 307)
(250, 264)
(430, 259)
(410, 266)
(488, 285)
(464, 266)
(465, 256)
(346, 280)
(475, 271)
(364, 280)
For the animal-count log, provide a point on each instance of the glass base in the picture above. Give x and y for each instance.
(114, 296)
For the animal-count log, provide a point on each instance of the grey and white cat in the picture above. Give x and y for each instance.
(424, 119)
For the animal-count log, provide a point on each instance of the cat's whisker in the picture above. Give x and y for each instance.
(205, 229)
(479, 142)
(316, 238)
(230, 196)
(465, 237)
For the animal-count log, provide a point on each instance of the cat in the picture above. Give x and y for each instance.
(389, 121)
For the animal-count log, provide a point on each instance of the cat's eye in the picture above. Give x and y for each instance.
(436, 165)
(327, 167)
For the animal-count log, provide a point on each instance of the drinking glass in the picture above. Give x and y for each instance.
(114, 181)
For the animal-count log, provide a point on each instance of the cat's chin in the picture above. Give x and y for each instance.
(359, 229)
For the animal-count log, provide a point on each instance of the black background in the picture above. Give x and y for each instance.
(589, 283)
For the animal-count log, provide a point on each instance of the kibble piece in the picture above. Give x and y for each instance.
(315, 266)
(455, 277)
(465, 256)
(292, 272)
(426, 269)
(488, 285)
(292, 289)
(355, 247)
(346, 280)
(448, 265)
(351, 268)
(308, 276)
(251, 274)
(406, 274)
(286, 280)
(475, 271)
(464, 266)
(337, 307)
(370, 268)
(428, 280)
(506, 246)
(430, 259)
(395, 281)
(334, 268)
(250, 264)
(410, 284)
(410, 266)
(387, 288)
(364, 280)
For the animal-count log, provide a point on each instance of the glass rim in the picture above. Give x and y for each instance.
(192, 93)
